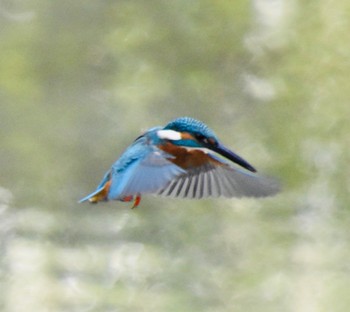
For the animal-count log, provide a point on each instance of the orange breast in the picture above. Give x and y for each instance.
(185, 158)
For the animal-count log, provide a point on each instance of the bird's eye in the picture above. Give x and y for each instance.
(201, 138)
(213, 142)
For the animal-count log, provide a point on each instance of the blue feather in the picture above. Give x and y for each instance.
(142, 168)
(191, 125)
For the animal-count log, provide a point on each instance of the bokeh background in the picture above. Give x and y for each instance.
(79, 80)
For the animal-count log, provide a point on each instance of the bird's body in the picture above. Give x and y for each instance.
(178, 161)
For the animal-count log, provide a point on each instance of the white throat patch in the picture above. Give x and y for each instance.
(169, 135)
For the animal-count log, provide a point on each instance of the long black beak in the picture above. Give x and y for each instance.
(225, 152)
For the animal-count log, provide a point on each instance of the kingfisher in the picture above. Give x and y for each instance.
(184, 159)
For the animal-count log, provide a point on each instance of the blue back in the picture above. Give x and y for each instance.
(142, 168)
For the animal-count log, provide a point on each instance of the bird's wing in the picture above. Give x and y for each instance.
(146, 170)
(216, 178)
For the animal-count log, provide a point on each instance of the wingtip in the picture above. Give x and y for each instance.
(271, 186)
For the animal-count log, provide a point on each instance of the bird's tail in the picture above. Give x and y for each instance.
(101, 194)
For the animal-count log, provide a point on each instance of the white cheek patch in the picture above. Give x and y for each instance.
(169, 135)
(203, 149)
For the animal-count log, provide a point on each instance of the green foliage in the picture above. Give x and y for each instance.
(80, 80)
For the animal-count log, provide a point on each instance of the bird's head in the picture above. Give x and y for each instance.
(192, 133)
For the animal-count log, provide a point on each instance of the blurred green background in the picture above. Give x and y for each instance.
(79, 80)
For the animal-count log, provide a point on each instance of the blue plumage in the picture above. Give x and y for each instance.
(191, 125)
(142, 168)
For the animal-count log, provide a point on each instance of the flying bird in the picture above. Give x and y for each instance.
(184, 159)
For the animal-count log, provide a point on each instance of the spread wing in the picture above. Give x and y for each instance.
(215, 178)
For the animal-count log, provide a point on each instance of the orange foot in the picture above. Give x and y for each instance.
(137, 201)
(130, 198)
